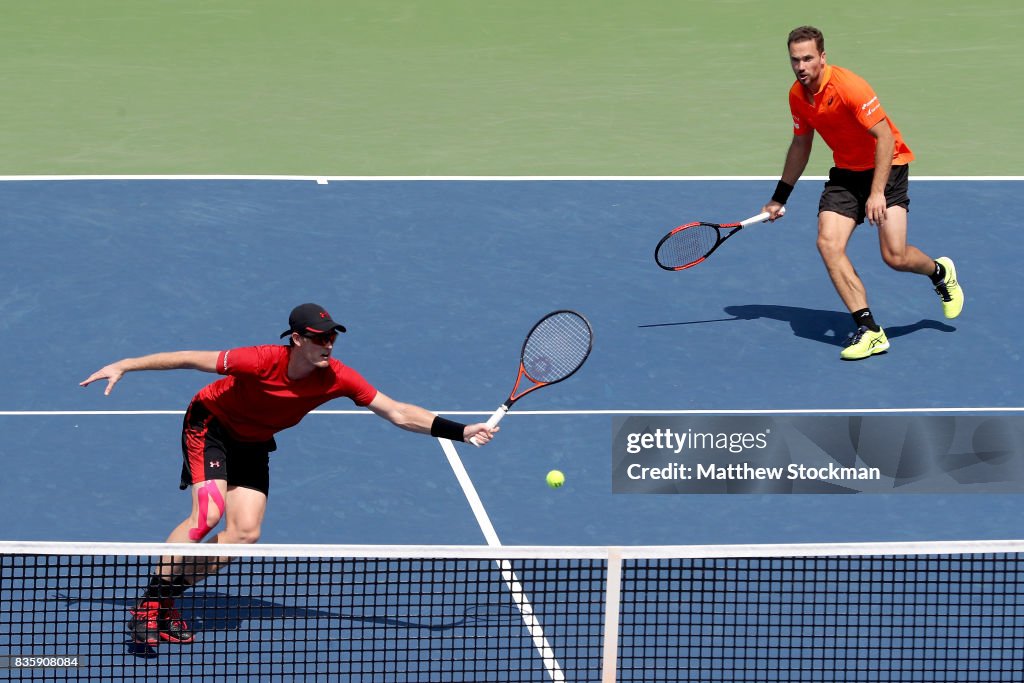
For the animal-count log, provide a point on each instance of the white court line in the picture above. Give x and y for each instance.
(325, 179)
(770, 411)
(646, 411)
(515, 587)
(475, 504)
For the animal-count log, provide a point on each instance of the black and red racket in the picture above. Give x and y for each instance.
(690, 244)
(555, 348)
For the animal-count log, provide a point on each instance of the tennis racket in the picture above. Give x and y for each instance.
(555, 348)
(689, 244)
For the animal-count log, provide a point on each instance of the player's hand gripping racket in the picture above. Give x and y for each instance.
(554, 349)
(689, 244)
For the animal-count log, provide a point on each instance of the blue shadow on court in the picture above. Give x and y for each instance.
(212, 611)
(827, 327)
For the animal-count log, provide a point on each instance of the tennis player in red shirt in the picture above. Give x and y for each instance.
(228, 435)
(869, 180)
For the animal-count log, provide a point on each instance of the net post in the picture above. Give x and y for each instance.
(612, 600)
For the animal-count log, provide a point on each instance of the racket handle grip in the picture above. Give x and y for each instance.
(496, 416)
(492, 421)
(763, 216)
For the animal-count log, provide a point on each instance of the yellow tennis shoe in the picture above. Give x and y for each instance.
(949, 289)
(864, 343)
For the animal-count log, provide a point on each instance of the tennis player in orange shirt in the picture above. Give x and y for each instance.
(869, 181)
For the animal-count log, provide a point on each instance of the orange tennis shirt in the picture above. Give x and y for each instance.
(842, 111)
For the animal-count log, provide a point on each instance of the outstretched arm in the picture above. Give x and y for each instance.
(171, 360)
(420, 420)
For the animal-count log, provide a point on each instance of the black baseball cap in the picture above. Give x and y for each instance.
(311, 319)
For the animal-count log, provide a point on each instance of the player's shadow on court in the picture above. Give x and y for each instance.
(221, 612)
(827, 327)
(211, 612)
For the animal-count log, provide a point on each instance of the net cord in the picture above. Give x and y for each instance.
(515, 552)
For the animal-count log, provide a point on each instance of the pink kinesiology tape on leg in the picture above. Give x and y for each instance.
(204, 494)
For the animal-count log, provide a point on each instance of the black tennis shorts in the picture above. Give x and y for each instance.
(846, 192)
(210, 452)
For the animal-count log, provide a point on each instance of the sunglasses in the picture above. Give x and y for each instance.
(322, 338)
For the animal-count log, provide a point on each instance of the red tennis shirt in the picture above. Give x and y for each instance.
(842, 111)
(257, 399)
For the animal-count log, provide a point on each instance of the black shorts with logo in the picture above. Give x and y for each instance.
(210, 452)
(846, 192)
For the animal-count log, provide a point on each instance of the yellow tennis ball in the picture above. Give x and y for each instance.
(555, 479)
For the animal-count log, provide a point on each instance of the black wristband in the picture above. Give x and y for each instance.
(447, 429)
(782, 192)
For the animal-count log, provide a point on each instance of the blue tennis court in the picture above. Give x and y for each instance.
(437, 282)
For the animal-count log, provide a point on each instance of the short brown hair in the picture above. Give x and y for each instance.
(802, 33)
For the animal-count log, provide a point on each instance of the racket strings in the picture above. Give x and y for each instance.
(687, 245)
(557, 347)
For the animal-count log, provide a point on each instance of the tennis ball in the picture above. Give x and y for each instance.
(555, 479)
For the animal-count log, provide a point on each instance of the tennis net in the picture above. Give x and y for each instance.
(830, 612)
